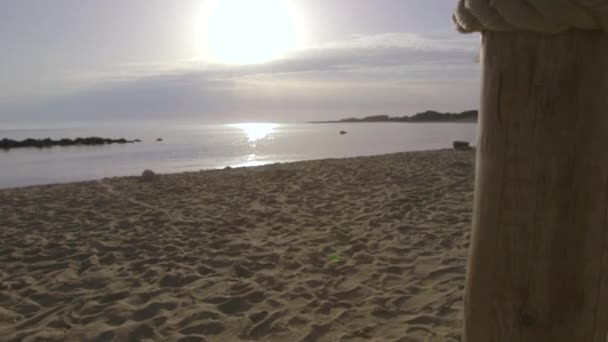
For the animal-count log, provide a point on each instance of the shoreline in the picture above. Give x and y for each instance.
(219, 168)
(356, 248)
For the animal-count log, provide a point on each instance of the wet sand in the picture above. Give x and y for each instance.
(357, 249)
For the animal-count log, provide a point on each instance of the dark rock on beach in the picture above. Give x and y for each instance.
(461, 145)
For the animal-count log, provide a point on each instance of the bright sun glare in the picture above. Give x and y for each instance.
(250, 31)
(256, 131)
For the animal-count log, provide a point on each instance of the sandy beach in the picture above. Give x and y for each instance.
(358, 249)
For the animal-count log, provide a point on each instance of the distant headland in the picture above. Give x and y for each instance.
(428, 116)
(48, 142)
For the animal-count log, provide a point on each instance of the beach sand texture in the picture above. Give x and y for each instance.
(358, 249)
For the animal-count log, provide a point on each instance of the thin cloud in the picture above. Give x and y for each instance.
(365, 74)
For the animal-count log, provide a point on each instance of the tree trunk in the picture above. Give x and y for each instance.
(538, 265)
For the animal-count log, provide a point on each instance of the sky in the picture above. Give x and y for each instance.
(232, 60)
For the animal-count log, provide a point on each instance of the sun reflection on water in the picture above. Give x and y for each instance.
(256, 131)
(252, 161)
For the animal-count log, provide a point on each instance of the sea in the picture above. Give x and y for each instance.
(193, 147)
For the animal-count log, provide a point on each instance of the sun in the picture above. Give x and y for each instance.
(250, 31)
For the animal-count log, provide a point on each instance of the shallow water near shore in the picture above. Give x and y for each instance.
(189, 147)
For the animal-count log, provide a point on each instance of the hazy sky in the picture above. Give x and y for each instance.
(132, 59)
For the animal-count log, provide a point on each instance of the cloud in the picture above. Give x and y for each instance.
(387, 73)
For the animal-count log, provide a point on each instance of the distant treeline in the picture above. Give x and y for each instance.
(48, 142)
(428, 116)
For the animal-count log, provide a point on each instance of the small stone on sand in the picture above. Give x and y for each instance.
(148, 176)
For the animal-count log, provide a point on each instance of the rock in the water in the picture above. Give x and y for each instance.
(48, 142)
(461, 145)
(148, 176)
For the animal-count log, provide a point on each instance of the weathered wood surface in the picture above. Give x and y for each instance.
(538, 266)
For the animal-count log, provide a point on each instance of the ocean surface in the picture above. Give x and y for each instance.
(192, 147)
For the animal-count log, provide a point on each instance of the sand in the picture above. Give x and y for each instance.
(359, 249)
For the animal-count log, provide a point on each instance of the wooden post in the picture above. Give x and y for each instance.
(538, 265)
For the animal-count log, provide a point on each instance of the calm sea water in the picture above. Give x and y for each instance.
(196, 147)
